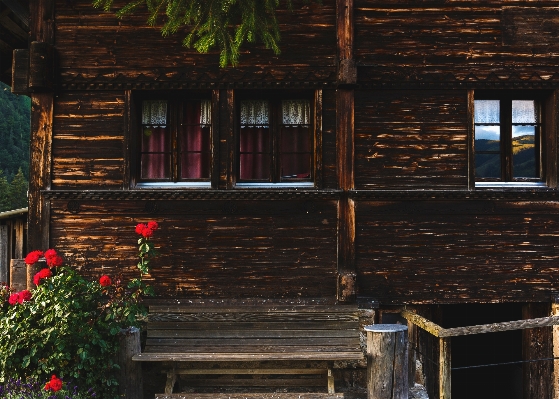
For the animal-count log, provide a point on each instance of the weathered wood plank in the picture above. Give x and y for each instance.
(250, 396)
(235, 332)
(338, 354)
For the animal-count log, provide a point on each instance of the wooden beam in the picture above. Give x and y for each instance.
(555, 338)
(41, 30)
(440, 332)
(21, 12)
(444, 368)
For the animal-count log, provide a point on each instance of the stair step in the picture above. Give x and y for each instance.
(187, 395)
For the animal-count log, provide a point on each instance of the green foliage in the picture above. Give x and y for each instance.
(13, 195)
(15, 128)
(65, 329)
(68, 325)
(33, 389)
(226, 24)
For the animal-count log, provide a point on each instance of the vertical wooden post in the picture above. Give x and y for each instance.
(387, 361)
(4, 250)
(41, 30)
(444, 368)
(555, 375)
(537, 344)
(412, 343)
(130, 376)
(18, 274)
(344, 144)
(19, 229)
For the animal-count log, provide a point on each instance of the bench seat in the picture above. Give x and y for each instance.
(227, 334)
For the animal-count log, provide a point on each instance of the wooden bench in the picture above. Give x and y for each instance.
(276, 335)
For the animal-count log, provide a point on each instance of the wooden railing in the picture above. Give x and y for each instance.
(444, 335)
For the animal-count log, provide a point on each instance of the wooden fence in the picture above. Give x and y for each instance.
(444, 335)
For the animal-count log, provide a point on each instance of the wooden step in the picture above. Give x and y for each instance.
(282, 395)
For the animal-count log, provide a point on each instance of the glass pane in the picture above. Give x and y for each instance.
(295, 152)
(488, 165)
(296, 112)
(486, 111)
(524, 111)
(487, 136)
(254, 146)
(195, 152)
(524, 151)
(156, 166)
(155, 153)
(194, 140)
(154, 113)
(255, 113)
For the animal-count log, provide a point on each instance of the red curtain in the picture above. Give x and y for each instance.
(255, 153)
(156, 155)
(295, 152)
(195, 144)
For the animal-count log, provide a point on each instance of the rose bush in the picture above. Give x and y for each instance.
(68, 325)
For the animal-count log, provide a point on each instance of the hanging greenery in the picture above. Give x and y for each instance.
(225, 24)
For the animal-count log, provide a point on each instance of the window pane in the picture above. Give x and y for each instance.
(488, 165)
(194, 140)
(255, 113)
(254, 153)
(295, 152)
(486, 111)
(524, 151)
(488, 151)
(296, 112)
(155, 153)
(524, 111)
(154, 113)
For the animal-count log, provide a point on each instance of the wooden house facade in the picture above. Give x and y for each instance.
(375, 177)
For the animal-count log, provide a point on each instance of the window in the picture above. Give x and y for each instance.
(508, 138)
(174, 141)
(275, 140)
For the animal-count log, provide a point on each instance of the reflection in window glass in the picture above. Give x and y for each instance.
(524, 125)
(487, 138)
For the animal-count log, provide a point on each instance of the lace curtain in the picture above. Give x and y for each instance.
(524, 111)
(296, 112)
(154, 113)
(205, 113)
(255, 113)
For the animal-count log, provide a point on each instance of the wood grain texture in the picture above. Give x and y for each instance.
(88, 140)
(438, 251)
(95, 43)
(235, 249)
(410, 139)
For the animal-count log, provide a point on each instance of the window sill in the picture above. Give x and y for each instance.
(511, 185)
(275, 185)
(178, 185)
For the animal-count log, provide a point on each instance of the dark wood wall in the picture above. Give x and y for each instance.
(394, 203)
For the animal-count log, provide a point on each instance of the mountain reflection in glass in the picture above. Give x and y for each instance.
(517, 132)
(524, 125)
(487, 138)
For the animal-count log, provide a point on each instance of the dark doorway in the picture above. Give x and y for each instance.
(498, 381)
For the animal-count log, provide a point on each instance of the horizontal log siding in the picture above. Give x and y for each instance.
(453, 251)
(411, 139)
(459, 37)
(88, 149)
(270, 249)
(94, 43)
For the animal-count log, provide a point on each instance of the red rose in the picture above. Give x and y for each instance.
(153, 225)
(55, 261)
(140, 227)
(147, 232)
(43, 273)
(33, 256)
(24, 296)
(50, 253)
(12, 300)
(55, 384)
(105, 281)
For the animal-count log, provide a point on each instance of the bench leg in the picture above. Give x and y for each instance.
(331, 388)
(171, 379)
